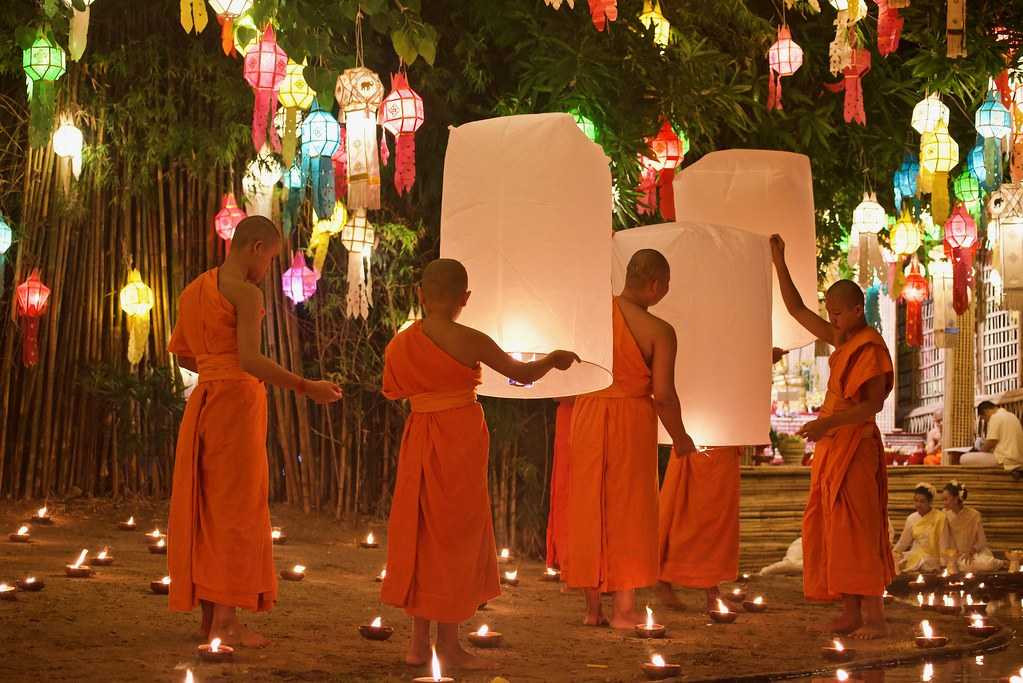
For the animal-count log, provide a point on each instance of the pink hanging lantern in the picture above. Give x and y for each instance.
(961, 245)
(784, 57)
(853, 86)
(228, 218)
(299, 281)
(401, 114)
(889, 27)
(266, 65)
(32, 296)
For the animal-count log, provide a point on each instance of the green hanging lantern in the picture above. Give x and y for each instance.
(585, 124)
(968, 190)
(44, 62)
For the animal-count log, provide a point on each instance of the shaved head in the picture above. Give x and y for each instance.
(646, 266)
(846, 293)
(255, 229)
(445, 281)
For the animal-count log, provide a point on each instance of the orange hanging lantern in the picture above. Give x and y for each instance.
(401, 114)
(915, 293)
(960, 245)
(603, 11)
(32, 297)
(227, 11)
(266, 65)
(784, 57)
(228, 218)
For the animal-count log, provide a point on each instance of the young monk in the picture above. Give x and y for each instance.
(846, 549)
(557, 525)
(441, 556)
(219, 549)
(612, 514)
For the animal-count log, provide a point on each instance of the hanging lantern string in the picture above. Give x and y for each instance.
(359, 60)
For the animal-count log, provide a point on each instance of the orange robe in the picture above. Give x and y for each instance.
(699, 519)
(846, 548)
(218, 543)
(557, 523)
(441, 555)
(612, 509)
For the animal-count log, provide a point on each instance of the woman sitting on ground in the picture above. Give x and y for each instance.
(924, 536)
(967, 531)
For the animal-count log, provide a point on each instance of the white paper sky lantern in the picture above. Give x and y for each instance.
(527, 210)
(762, 192)
(720, 306)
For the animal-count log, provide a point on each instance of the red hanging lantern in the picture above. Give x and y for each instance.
(228, 218)
(603, 11)
(853, 86)
(401, 114)
(960, 246)
(659, 171)
(32, 297)
(266, 65)
(915, 293)
(889, 27)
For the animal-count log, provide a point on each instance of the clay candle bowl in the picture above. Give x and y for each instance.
(484, 637)
(722, 615)
(744, 578)
(278, 537)
(215, 652)
(658, 670)
(949, 606)
(510, 578)
(887, 598)
(975, 605)
(79, 570)
(296, 573)
(42, 516)
(8, 592)
(129, 525)
(158, 548)
(369, 542)
(981, 627)
(757, 604)
(161, 587)
(376, 630)
(31, 584)
(504, 557)
(836, 652)
(928, 640)
(551, 574)
(21, 535)
(736, 595)
(649, 629)
(381, 576)
(104, 559)
(436, 675)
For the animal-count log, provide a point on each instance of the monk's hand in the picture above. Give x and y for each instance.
(322, 391)
(563, 360)
(685, 446)
(815, 429)
(777, 249)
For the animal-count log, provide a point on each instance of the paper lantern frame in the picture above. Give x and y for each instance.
(266, 64)
(320, 133)
(44, 61)
(299, 281)
(359, 88)
(906, 236)
(228, 218)
(401, 112)
(785, 56)
(6, 236)
(869, 216)
(32, 296)
(928, 113)
(358, 235)
(231, 9)
(960, 230)
(939, 153)
(653, 17)
(136, 297)
(295, 92)
(993, 120)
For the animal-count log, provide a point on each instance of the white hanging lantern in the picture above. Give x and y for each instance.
(67, 144)
(928, 113)
(358, 237)
(1005, 208)
(869, 219)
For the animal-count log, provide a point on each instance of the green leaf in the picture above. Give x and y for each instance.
(322, 80)
(403, 46)
(371, 7)
(25, 36)
(382, 22)
(426, 43)
(50, 8)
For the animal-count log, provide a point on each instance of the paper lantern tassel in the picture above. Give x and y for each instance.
(29, 341)
(360, 291)
(405, 163)
(319, 245)
(939, 197)
(226, 35)
(993, 161)
(853, 86)
(363, 162)
(962, 278)
(647, 189)
(138, 337)
(872, 309)
(79, 35)
(340, 161)
(603, 11)
(889, 28)
(385, 151)
(872, 265)
(193, 15)
(290, 142)
(666, 198)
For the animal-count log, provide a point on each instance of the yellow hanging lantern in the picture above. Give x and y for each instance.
(137, 301)
(939, 154)
(652, 17)
(905, 236)
(359, 237)
(294, 95)
(323, 231)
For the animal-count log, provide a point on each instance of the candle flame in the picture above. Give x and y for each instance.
(928, 673)
(759, 600)
(511, 576)
(737, 591)
(930, 599)
(165, 580)
(377, 623)
(649, 617)
(842, 675)
(30, 579)
(383, 573)
(980, 585)
(23, 531)
(551, 571)
(131, 520)
(102, 554)
(155, 533)
(920, 599)
(977, 620)
(658, 660)
(369, 537)
(483, 630)
(275, 534)
(969, 575)
(969, 599)
(505, 553)
(435, 665)
(215, 645)
(4, 588)
(81, 559)
(944, 574)
(947, 601)
(722, 607)
(161, 543)
(838, 645)
(41, 512)
(298, 569)
(925, 626)
(919, 578)
(188, 676)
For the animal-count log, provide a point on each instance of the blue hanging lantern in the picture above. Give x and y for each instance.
(904, 182)
(321, 138)
(975, 162)
(994, 123)
(872, 309)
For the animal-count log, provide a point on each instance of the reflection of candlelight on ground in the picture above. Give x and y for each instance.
(949, 605)
(188, 676)
(649, 629)
(154, 535)
(504, 557)
(21, 535)
(928, 640)
(436, 674)
(376, 630)
(929, 605)
(277, 536)
(842, 675)
(981, 627)
(158, 548)
(104, 558)
(8, 592)
(127, 526)
(161, 587)
(382, 575)
(757, 604)
(296, 573)
(657, 669)
(510, 578)
(551, 574)
(79, 570)
(837, 652)
(928, 673)
(369, 542)
(31, 584)
(215, 651)
(722, 615)
(484, 637)
(42, 516)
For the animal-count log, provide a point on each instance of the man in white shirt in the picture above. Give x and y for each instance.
(1003, 441)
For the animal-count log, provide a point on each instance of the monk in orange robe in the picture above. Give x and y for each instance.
(612, 508)
(557, 524)
(441, 556)
(219, 550)
(847, 554)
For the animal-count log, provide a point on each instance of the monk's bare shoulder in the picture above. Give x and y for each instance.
(241, 294)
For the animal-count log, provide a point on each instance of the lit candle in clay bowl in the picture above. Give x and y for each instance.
(31, 584)
(42, 516)
(128, 525)
(78, 570)
(510, 578)
(159, 548)
(484, 637)
(216, 651)
(8, 592)
(296, 573)
(757, 604)
(550, 574)
(277, 536)
(722, 615)
(837, 652)
(369, 542)
(436, 675)
(376, 630)
(160, 587)
(104, 558)
(982, 628)
(649, 629)
(927, 639)
(658, 670)
(22, 535)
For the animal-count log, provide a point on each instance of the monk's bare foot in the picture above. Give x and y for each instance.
(457, 658)
(627, 620)
(870, 631)
(238, 635)
(666, 596)
(842, 625)
(207, 622)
